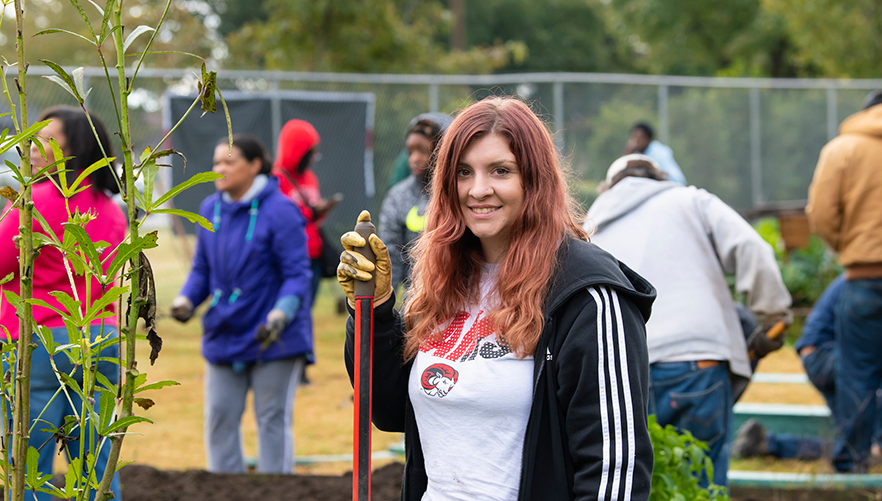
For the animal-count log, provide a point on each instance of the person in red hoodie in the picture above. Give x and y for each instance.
(297, 152)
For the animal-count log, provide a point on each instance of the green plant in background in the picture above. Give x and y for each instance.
(806, 272)
(680, 460)
(107, 409)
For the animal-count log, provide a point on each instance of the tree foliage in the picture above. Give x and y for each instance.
(358, 36)
(759, 38)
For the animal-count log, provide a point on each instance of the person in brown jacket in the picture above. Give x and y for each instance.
(845, 210)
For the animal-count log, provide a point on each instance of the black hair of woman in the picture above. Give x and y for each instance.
(82, 146)
(251, 148)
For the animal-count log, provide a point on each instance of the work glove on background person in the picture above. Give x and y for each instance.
(182, 309)
(354, 266)
(759, 344)
(269, 333)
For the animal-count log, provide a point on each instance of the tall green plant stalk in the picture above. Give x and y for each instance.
(20, 410)
(131, 371)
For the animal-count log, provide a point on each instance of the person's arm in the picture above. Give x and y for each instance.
(824, 209)
(742, 252)
(602, 373)
(290, 257)
(197, 286)
(393, 233)
(820, 325)
(390, 373)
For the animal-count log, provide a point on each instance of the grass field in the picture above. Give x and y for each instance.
(323, 409)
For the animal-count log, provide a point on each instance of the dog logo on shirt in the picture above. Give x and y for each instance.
(438, 380)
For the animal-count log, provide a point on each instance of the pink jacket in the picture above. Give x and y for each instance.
(49, 271)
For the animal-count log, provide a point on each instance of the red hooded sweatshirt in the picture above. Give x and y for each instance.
(295, 140)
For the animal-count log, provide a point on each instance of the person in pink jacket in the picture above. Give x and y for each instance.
(71, 129)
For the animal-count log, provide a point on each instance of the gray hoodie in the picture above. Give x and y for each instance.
(402, 217)
(684, 241)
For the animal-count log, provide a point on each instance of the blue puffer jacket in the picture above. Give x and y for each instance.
(256, 256)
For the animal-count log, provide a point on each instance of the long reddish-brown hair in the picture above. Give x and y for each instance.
(448, 256)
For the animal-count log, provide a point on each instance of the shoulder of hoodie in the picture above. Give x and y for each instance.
(863, 127)
(403, 190)
(583, 265)
(282, 208)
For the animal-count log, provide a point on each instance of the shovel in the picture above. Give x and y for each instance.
(364, 334)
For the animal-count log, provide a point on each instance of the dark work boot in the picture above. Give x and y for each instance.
(750, 440)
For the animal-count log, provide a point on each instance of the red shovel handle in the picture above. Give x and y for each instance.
(364, 327)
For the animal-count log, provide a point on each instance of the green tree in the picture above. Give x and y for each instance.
(840, 39)
(559, 35)
(367, 36)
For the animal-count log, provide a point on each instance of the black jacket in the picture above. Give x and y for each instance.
(587, 434)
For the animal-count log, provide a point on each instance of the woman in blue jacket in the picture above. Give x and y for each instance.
(255, 272)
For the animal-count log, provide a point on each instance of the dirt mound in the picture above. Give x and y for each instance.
(143, 483)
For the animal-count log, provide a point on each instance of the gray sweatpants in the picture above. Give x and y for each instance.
(274, 384)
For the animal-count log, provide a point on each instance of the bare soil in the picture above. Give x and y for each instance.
(144, 483)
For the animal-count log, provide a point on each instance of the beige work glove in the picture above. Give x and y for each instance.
(353, 266)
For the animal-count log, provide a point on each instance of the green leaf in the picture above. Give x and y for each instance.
(16, 172)
(73, 306)
(89, 170)
(202, 177)
(105, 383)
(148, 175)
(227, 117)
(33, 302)
(45, 226)
(24, 135)
(86, 245)
(124, 423)
(79, 82)
(127, 251)
(106, 406)
(110, 296)
(63, 79)
(85, 17)
(191, 216)
(157, 385)
(46, 337)
(7, 278)
(207, 88)
(58, 30)
(72, 476)
(58, 155)
(135, 34)
(70, 383)
(32, 473)
(181, 53)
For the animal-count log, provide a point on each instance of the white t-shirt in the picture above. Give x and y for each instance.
(471, 397)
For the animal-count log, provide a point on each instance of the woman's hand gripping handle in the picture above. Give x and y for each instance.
(364, 269)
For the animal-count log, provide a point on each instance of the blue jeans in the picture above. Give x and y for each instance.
(43, 386)
(858, 371)
(820, 366)
(697, 400)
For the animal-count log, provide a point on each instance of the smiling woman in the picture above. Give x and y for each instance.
(518, 367)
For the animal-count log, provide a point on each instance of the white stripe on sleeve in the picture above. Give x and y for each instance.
(626, 385)
(601, 383)
(614, 386)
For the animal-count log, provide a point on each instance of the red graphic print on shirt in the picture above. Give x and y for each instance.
(454, 345)
(438, 380)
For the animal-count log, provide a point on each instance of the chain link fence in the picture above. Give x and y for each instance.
(750, 141)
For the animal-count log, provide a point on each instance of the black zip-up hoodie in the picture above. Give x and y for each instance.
(587, 436)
